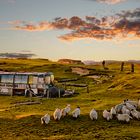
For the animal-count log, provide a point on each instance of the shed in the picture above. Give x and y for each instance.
(13, 83)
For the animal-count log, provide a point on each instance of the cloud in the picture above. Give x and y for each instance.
(59, 23)
(32, 27)
(121, 25)
(110, 1)
(16, 55)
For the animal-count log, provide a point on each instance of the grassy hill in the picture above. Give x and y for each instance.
(109, 89)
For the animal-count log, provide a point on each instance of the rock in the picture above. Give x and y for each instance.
(69, 61)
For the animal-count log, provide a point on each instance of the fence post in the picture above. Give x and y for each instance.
(122, 66)
(132, 67)
(59, 93)
(48, 94)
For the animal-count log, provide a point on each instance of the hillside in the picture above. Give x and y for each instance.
(106, 89)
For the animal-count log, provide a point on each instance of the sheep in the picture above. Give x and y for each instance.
(129, 106)
(66, 110)
(76, 112)
(125, 110)
(124, 117)
(63, 112)
(107, 115)
(133, 103)
(118, 107)
(113, 112)
(57, 114)
(135, 114)
(45, 119)
(93, 114)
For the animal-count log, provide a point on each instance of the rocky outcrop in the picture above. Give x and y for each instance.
(69, 61)
(80, 71)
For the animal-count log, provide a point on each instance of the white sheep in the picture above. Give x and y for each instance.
(45, 119)
(63, 111)
(135, 114)
(133, 103)
(125, 110)
(124, 117)
(76, 112)
(129, 106)
(57, 114)
(118, 107)
(66, 110)
(107, 115)
(113, 112)
(93, 114)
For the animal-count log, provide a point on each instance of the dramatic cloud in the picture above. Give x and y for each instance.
(123, 25)
(16, 55)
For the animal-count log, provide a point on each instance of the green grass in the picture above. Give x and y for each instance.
(23, 122)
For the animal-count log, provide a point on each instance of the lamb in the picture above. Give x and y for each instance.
(57, 114)
(45, 119)
(135, 114)
(93, 114)
(107, 115)
(76, 112)
(124, 117)
(113, 112)
(125, 110)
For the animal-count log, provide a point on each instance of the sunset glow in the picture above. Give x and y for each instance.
(76, 29)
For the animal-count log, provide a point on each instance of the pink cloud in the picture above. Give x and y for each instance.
(111, 1)
(122, 25)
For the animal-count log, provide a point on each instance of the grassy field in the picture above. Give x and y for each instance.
(23, 122)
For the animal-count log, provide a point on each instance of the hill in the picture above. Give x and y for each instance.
(106, 89)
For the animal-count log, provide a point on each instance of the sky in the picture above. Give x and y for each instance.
(74, 29)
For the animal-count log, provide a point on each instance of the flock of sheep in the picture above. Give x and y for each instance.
(123, 112)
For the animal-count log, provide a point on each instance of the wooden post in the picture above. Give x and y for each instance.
(12, 93)
(132, 67)
(122, 66)
(48, 93)
(103, 63)
(27, 83)
(44, 85)
(30, 93)
(59, 93)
